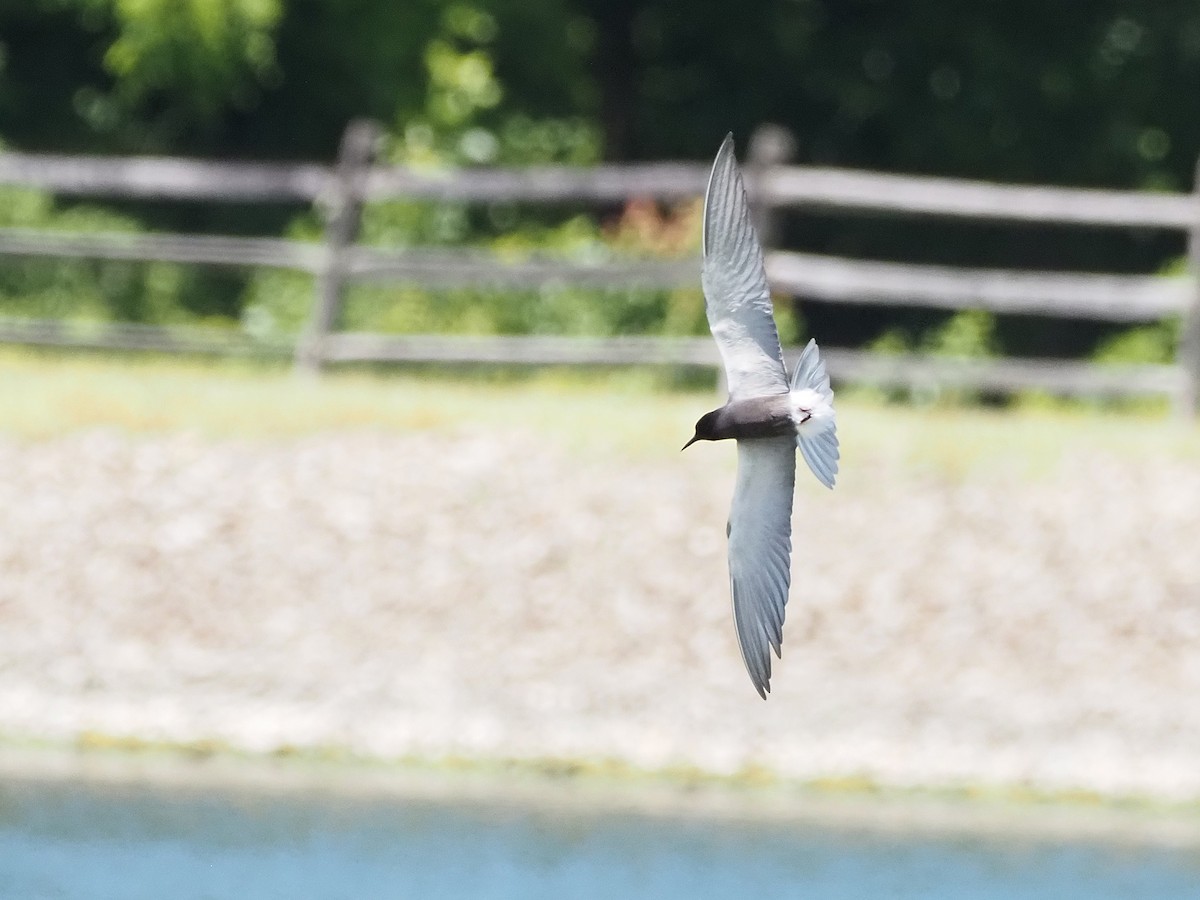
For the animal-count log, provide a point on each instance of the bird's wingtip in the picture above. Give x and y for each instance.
(725, 150)
(723, 173)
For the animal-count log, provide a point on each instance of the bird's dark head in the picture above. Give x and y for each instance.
(706, 429)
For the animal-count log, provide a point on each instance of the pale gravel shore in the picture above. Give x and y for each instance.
(497, 596)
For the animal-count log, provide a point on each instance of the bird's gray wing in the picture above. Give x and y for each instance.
(738, 302)
(819, 449)
(760, 550)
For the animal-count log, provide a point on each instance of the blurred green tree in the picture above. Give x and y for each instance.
(1084, 94)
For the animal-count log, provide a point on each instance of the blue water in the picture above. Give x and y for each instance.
(81, 840)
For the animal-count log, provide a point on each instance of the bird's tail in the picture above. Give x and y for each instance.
(817, 438)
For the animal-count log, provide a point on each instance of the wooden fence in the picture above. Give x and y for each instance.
(339, 192)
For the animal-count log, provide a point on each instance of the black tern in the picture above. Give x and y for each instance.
(768, 415)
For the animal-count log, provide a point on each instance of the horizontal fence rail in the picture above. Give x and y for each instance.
(906, 371)
(131, 336)
(160, 178)
(911, 195)
(179, 248)
(1117, 298)
(538, 184)
(1064, 377)
(339, 191)
(437, 268)
(816, 187)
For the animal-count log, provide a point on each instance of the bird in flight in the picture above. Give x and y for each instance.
(767, 414)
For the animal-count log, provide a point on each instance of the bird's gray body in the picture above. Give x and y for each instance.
(768, 414)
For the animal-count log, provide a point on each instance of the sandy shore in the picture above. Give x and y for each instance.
(498, 597)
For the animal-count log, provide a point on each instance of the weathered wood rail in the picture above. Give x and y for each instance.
(342, 189)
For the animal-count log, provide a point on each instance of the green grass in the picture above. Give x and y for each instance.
(630, 413)
(756, 789)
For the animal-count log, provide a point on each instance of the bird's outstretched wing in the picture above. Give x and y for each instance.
(760, 550)
(738, 301)
(818, 444)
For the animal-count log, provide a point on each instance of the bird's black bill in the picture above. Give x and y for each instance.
(695, 438)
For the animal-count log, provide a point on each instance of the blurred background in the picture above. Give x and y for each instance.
(345, 352)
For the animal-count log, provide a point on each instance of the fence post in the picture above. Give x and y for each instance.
(770, 146)
(1188, 355)
(342, 211)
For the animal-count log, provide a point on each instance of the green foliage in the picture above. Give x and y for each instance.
(1072, 94)
(892, 342)
(208, 53)
(462, 122)
(968, 334)
(174, 69)
(1145, 344)
(279, 303)
(83, 289)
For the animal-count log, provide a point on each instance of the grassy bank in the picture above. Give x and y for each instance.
(621, 411)
(617, 789)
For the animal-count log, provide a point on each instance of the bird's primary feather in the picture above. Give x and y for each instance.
(760, 547)
(737, 299)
